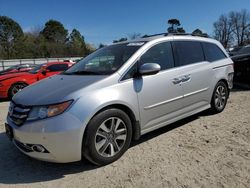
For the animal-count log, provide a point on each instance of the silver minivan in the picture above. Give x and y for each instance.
(118, 93)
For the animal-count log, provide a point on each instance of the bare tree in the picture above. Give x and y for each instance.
(223, 30)
(248, 36)
(241, 25)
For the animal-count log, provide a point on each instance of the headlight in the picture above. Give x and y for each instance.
(42, 112)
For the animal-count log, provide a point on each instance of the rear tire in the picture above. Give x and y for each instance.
(107, 136)
(15, 88)
(220, 96)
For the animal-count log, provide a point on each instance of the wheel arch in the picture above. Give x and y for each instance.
(136, 129)
(225, 82)
(220, 80)
(214, 109)
(18, 82)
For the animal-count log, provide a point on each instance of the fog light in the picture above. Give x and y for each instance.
(38, 148)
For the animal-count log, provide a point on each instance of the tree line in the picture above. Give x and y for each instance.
(53, 40)
(233, 29)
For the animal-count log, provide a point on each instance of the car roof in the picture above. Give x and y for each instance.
(181, 36)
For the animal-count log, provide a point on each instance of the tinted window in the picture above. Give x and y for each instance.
(12, 68)
(131, 72)
(36, 69)
(23, 66)
(212, 52)
(187, 52)
(57, 67)
(160, 54)
(244, 50)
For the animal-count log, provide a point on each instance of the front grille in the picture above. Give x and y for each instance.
(18, 113)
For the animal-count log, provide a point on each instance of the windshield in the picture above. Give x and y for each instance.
(106, 60)
(244, 50)
(11, 68)
(36, 69)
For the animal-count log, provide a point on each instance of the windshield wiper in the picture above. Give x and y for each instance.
(82, 73)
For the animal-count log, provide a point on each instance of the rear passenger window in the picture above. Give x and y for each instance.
(212, 52)
(160, 54)
(58, 67)
(187, 52)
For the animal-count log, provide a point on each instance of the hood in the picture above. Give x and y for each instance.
(12, 75)
(54, 89)
(240, 57)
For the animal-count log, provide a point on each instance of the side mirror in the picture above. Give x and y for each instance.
(149, 69)
(44, 72)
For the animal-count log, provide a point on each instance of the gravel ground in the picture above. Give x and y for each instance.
(202, 151)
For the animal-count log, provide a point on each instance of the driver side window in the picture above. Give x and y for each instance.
(57, 67)
(160, 53)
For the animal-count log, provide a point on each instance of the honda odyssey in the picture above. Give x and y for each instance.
(118, 93)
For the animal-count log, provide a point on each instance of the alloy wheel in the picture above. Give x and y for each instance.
(110, 137)
(220, 97)
(16, 88)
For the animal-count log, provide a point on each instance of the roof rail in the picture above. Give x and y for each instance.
(146, 36)
(176, 34)
(188, 34)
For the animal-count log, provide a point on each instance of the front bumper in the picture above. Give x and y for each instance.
(61, 136)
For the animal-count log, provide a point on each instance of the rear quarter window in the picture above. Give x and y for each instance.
(212, 52)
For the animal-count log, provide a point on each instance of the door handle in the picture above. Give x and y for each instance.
(177, 80)
(186, 78)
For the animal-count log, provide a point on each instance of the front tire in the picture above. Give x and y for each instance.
(108, 136)
(220, 96)
(15, 88)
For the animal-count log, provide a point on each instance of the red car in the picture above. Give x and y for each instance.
(10, 84)
(18, 68)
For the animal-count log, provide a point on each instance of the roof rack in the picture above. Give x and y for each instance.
(189, 34)
(146, 36)
(177, 34)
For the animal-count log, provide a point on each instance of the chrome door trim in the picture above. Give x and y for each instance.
(174, 99)
(162, 103)
(195, 92)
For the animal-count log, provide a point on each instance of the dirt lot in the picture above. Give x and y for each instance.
(202, 151)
